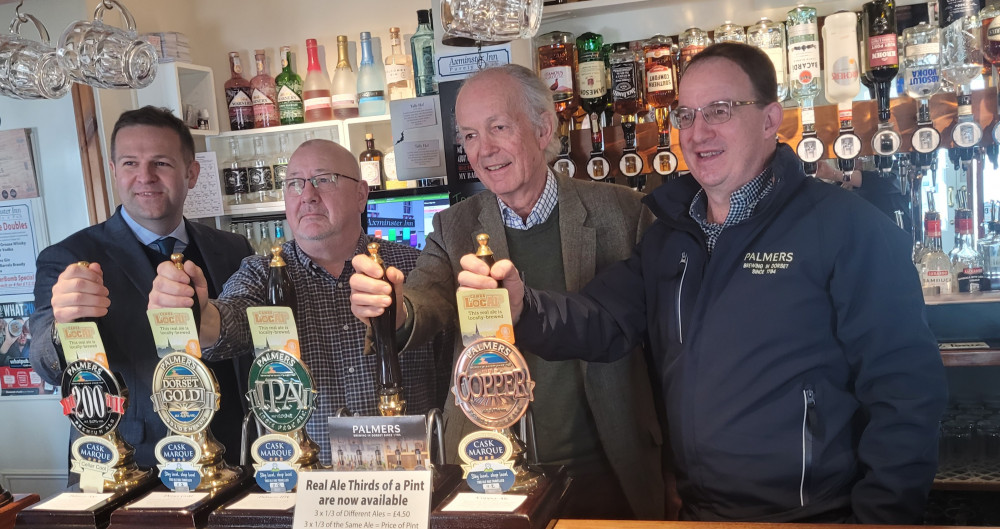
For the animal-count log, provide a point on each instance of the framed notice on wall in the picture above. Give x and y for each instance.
(17, 168)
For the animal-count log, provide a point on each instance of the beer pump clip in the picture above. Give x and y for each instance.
(840, 33)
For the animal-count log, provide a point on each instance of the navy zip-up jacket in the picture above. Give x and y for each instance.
(799, 378)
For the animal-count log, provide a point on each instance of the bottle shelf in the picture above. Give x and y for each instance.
(964, 297)
(254, 208)
(303, 126)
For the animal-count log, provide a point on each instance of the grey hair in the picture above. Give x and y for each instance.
(536, 98)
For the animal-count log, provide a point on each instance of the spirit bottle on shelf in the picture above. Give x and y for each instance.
(264, 244)
(279, 167)
(804, 79)
(398, 70)
(990, 40)
(371, 82)
(264, 95)
(248, 233)
(556, 68)
(967, 264)
(345, 84)
(989, 250)
(881, 64)
(692, 41)
(950, 11)
(235, 175)
(626, 92)
(661, 92)
(729, 32)
(593, 98)
(921, 67)
(279, 232)
(770, 37)
(316, 89)
(289, 86)
(840, 37)
(280, 290)
(422, 48)
(238, 97)
(934, 266)
(961, 62)
(259, 173)
(370, 160)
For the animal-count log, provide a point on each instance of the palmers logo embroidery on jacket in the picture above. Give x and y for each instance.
(760, 263)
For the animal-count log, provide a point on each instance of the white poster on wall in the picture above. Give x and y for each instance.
(17, 249)
(205, 199)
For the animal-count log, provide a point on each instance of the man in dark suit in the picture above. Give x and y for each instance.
(153, 167)
(596, 419)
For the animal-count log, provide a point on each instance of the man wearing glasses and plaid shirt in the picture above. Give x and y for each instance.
(324, 200)
(799, 379)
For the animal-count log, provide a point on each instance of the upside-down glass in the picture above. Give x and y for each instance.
(105, 56)
(30, 69)
(489, 21)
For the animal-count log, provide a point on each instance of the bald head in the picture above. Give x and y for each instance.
(340, 160)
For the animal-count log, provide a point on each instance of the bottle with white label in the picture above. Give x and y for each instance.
(920, 63)
(769, 36)
(840, 37)
(398, 70)
(372, 170)
(316, 89)
(238, 97)
(371, 81)
(345, 84)
(805, 81)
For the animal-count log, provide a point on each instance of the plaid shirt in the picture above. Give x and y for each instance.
(742, 203)
(331, 338)
(539, 214)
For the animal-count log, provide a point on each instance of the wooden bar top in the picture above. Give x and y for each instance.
(632, 524)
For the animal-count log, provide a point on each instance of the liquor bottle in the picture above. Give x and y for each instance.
(935, 267)
(961, 62)
(279, 233)
(967, 264)
(345, 84)
(692, 41)
(280, 290)
(398, 70)
(590, 75)
(289, 86)
(389, 379)
(264, 94)
(248, 233)
(804, 79)
(279, 166)
(989, 250)
(259, 173)
(661, 92)
(626, 92)
(316, 89)
(950, 11)
(882, 58)
(238, 97)
(422, 48)
(990, 40)
(370, 161)
(920, 63)
(729, 32)
(235, 174)
(770, 37)
(840, 37)
(557, 69)
(371, 82)
(265, 243)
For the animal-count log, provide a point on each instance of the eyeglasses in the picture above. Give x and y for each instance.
(322, 182)
(714, 113)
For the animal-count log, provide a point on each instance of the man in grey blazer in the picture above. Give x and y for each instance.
(596, 419)
(153, 166)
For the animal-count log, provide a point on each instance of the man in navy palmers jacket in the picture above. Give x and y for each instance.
(789, 344)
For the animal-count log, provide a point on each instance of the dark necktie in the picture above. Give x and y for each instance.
(164, 245)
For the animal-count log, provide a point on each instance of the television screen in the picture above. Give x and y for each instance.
(405, 219)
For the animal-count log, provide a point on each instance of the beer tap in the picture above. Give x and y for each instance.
(881, 58)
(840, 34)
(661, 92)
(921, 80)
(803, 60)
(626, 91)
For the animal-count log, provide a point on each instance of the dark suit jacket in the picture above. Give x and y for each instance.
(598, 225)
(125, 330)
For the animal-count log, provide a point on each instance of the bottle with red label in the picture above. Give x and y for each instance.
(264, 93)
(881, 64)
(934, 266)
(661, 92)
(967, 263)
(316, 90)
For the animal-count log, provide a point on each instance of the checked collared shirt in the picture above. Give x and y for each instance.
(742, 203)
